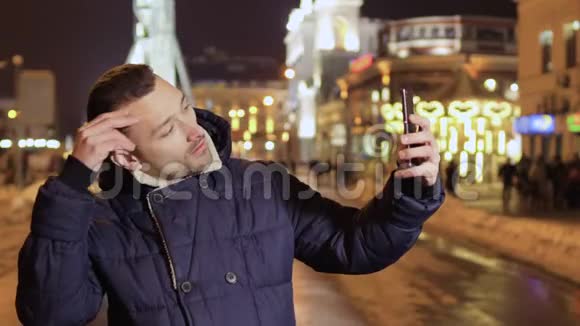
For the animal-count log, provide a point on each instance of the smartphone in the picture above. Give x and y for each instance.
(408, 126)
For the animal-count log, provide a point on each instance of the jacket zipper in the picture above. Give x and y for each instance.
(164, 243)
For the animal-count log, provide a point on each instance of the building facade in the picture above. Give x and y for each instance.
(261, 126)
(323, 37)
(549, 75)
(465, 84)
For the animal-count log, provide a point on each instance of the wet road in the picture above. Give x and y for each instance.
(450, 284)
(488, 290)
(445, 282)
(438, 283)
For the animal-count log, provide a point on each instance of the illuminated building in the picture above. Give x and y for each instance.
(549, 74)
(256, 110)
(323, 37)
(448, 35)
(251, 93)
(467, 91)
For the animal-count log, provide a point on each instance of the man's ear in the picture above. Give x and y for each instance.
(126, 160)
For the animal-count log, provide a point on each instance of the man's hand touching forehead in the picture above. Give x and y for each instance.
(97, 139)
(113, 115)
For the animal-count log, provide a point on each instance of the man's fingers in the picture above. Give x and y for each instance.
(112, 135)
(426, 170)
(421, 137)
(416, 152)
(110, 123)
(101, 117)
(424, 123)
(107, 147)
(96, 120)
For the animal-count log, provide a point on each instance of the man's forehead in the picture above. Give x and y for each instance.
(155, 108)
(159, 102)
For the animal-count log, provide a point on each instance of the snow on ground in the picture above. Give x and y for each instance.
(11, 238)
(17, 203)
(553, 245)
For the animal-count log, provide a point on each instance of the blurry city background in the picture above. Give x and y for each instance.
(315, 84)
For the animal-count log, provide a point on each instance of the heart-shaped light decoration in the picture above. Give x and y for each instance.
(500, 110)
(392, 112)
(433, 109)
(463, 110)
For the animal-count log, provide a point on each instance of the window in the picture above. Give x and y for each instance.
(450, 32)
(405, 34)
(511, 35)
(565, 106)
(546, 42)
(489, 34)
(435, 32)
(469, 32)
(571, 39)
(421, 33)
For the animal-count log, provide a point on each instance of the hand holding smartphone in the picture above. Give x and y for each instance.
(408, 126)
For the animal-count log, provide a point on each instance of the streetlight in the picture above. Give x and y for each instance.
(289, 73)
(268, 100)
(269, 145)
(5, 143)
(12, 114)
(17, 60)
(490, 84)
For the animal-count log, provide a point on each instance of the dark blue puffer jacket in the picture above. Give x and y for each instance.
(212, 249)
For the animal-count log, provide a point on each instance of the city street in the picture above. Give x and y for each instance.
(439, 282)
(126, 99)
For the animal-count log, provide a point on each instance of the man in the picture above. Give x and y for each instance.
(184, 234)
(507, 172)
(557, 176)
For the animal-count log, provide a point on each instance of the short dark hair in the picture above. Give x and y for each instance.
(118, 86)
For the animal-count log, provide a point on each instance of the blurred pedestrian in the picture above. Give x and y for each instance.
(508, 173)
(538, 181)
(557, 171)
(523, 184)
(573, 183)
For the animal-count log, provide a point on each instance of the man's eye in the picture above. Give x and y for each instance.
(167, 133)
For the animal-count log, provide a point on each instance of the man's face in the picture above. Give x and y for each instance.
(169, 142)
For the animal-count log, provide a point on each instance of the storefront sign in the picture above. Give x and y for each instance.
(535, 124)
(362, 63)
(573, 122)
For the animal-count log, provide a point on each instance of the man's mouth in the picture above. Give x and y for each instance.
(197, 149)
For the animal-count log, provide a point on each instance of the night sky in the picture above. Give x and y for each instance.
(80, 39)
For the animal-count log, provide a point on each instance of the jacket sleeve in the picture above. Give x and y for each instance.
(333, 238)
(56, 282)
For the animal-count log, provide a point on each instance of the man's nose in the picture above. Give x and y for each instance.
(193, 133)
